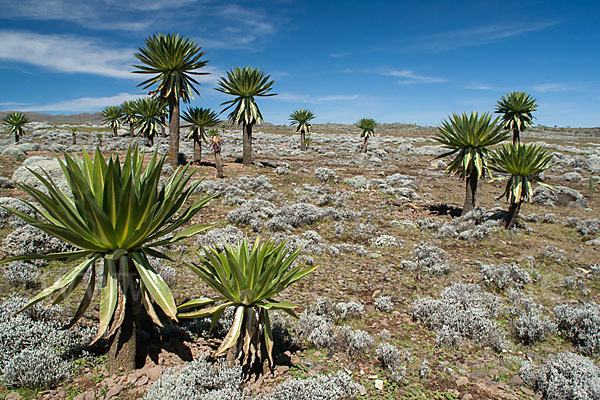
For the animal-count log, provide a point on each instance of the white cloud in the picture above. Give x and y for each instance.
(94, 13)
(70, 54)
(222, 25)
(64, 53)
(410, 77)
(475, 36)
(556, 87)
(83, 104)
(339, 55)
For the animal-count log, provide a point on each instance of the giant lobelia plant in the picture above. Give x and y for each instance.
(468, 139)
(117, 216)
(249, 279)
(15, 122)
(522, 163)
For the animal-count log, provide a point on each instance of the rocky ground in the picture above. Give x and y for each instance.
(409, 301)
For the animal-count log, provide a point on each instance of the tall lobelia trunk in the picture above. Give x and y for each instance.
(16, 138)
(513, 214)
(74, 137)
(516, 136)
(365, 143)
(173, 129)
(123, 348)
(197, 147)
(302, 140)
(219, 164)
(115, 133)
(131, 131)
(247, 156)
(163, 129)
(470, 192)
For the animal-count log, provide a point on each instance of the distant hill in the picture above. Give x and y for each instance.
(82, 118)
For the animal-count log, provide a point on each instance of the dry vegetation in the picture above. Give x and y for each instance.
(358, 264)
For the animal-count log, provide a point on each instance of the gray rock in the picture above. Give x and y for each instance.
(559, 196)
(23, 176)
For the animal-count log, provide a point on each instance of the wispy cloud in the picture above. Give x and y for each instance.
(72, 54)
(83, 104)
(557, 87)
(483, 86)
(474, 36)
(223, 25)
(339, 55)
(409, 77)
(94, 14)
(64, 53)
(302, 98)
(235, 27)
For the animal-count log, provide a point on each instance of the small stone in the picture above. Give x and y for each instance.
(142, 381)
(154, 373)
(461, 381)
(467, 396)
(361, 390)
(527, 391)
(13, 396)
(113, 391)
(378, 384)
(515, 380)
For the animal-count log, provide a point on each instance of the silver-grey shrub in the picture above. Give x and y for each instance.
(252, 212)
(428, 259)
(384, 304)
(325, 175)
(21, 274)
(580, 325)
(588, 227)
(295, 215)
(383, 241)
(7, 218)
(388, 355)
(567, 376)
(466, 310)
(553, 253)
(199, 380)
(335, 386)
(221, 237)
(29, 240)
(34, 341)
(355, 342)
(527, 319)
(35, 368)
(504, 276)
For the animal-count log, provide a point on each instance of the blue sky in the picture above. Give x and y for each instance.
(394, 61)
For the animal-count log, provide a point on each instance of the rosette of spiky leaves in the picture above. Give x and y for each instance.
(173, 60)
(245, 84)
(300, 119)
(200, 119)
(128, 111)
(247, 278)
(517, 112)
(522, 163)
(469, 137)
(149, 112)
(15, 122)
(215, 142)
(367, 125)
(112, 116)
(118, 215)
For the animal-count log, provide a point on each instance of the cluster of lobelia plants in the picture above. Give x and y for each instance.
(470, 138)
(118, 215)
